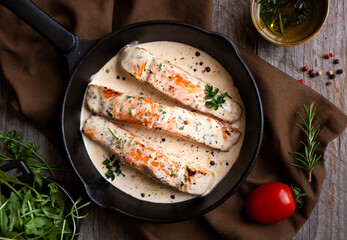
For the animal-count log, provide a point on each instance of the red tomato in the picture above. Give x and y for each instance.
(271, 203)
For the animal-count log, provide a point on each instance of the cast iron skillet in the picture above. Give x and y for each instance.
(86, 57)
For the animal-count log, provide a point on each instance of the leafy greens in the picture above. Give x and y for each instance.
(35, 211)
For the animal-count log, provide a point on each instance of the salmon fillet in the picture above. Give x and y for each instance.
(168, 169)
(174, 120)
(175, 83)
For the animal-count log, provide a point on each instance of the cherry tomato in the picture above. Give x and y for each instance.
(271, 203)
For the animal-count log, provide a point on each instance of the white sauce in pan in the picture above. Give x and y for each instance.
(198, 64)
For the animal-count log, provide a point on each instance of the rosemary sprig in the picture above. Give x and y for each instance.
(308, 159)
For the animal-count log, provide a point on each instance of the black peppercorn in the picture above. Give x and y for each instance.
(336, 61)
(312, 75)
(212, 163)
(172, 196)
(332, 76)
(339, 71)
(197, 54)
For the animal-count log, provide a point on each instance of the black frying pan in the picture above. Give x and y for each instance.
(86, 57)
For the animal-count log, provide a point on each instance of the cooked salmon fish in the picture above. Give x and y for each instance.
(168, 169)
(174, 82)
(174, 120)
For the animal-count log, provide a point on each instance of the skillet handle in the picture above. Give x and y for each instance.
(42, 23)
(27, 174)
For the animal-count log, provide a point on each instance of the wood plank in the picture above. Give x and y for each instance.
(232, 18)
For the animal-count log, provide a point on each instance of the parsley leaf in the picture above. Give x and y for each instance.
(113, 167)
(217, 101)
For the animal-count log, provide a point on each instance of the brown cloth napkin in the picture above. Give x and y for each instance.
(38, 76)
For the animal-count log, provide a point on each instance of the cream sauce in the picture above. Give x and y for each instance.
(194, 61)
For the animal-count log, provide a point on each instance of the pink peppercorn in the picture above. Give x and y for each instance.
(331, 55)
(311, 71)
(302, 80)
(327, 56)
(305, 68)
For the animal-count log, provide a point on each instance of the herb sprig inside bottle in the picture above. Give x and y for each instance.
(217, 101)
(281, 15)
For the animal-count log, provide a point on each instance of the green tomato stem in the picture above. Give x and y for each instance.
(298, 195)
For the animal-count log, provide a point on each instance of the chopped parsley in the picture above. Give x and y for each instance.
(113, 167)
(109, 113)
(217, 101)
(113, 134)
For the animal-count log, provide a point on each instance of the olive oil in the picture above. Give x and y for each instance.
(281, 15)
(289, 20)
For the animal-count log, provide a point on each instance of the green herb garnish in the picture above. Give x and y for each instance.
(308, 159)
(113, 167)
(281, 15)
(217, 101)
(114, 135)
(109, 113)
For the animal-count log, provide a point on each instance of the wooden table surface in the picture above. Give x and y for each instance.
(231, 17)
